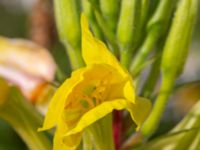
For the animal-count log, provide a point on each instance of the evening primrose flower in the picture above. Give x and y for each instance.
(91, 93)
(26, 65)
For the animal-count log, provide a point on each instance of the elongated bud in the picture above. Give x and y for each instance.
(177, 44)
(144, 11)
(67, 20)
(22, 117)
(126, 23)
(141, 17)
(110, 10)
(68, 26)
(156, 27)
(26, 64)
(161, 15)
(174, 55)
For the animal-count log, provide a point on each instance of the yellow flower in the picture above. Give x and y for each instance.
(91, 93)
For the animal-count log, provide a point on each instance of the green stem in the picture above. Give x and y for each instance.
(75, 57)
(146, 48)
(142, 14)
(176, 47)
(87, 138)
(102, 133)
(125, 58)
(150, 125)
(185, 141)
(89, 11)
(152, 79)
(25, 120)
(110, 10)
(145, 4)
(130, 38)
(107, 32)
(125, 30)
(157, 25)
(149, 85)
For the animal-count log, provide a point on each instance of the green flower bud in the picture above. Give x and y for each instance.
(110, 10)
(67, 19)
(156, 27)
(161, 15)
(68, 25)
(174, 55)
(126, 23)
(176, 46)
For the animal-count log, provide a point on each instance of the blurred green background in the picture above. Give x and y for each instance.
(15, 22)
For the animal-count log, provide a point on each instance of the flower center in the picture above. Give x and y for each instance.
(86, 96)
(94, 94)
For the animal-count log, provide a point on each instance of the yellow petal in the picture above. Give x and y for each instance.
(98, 71)
(138, 114)
(129, 92)
(105, 108)
(69, 143)
(116, 91)
(94, 51)
(140, 110)
(57, 103)
(122, 90)
(97, 113)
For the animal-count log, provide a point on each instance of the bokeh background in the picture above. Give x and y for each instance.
(33, 19)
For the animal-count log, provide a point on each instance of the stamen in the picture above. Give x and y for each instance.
(84, 103)
(94, 101)
(89, 90)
